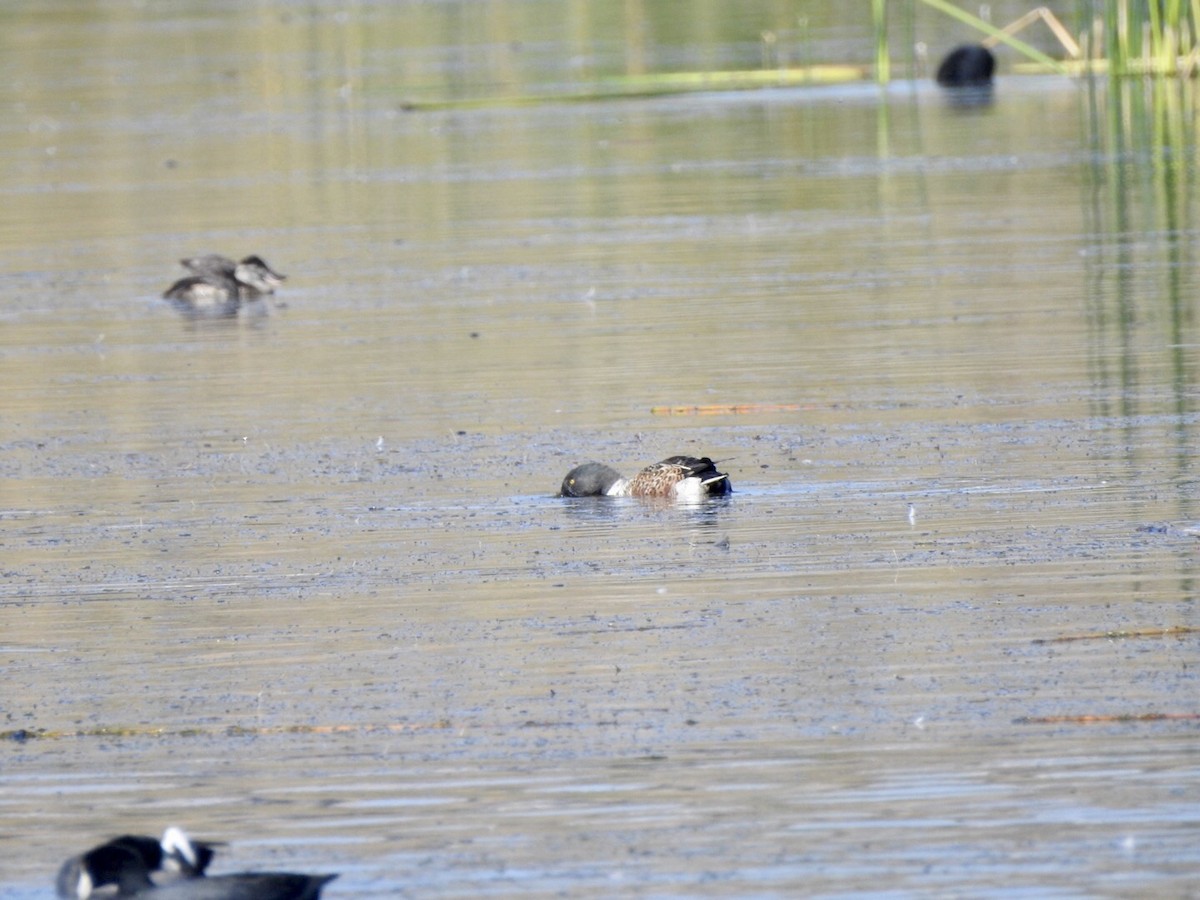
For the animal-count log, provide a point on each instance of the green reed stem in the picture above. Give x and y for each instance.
(883, 65)
(1121, 31)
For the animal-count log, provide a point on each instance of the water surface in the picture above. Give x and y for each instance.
(299, 581)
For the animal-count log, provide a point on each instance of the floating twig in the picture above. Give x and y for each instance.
(1107, 720)
(26, 734)
(1174, 631)
(725, 409)
(658, 84)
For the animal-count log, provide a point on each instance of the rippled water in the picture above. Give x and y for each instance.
(299, 582)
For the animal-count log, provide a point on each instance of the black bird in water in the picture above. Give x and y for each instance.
(126, 862)
(175, 855)
(967, 66)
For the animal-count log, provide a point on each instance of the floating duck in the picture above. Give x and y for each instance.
(678, 477)
(967, 66)
(174, 854)
(219, 285)
(128, 862)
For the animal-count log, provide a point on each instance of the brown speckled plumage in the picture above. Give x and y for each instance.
(664, 479)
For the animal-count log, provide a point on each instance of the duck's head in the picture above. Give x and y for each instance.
(257, 275)
(592, 479)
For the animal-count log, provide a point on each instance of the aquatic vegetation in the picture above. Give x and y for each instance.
(1130, 37)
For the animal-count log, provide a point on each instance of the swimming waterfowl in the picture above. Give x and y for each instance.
(175, 854)
(219, 285)
(679, 477)
(119, 864)
(967, 66)
(252, 273)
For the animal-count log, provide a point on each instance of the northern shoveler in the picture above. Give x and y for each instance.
(678, 477)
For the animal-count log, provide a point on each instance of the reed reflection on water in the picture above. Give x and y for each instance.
(300, 582)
